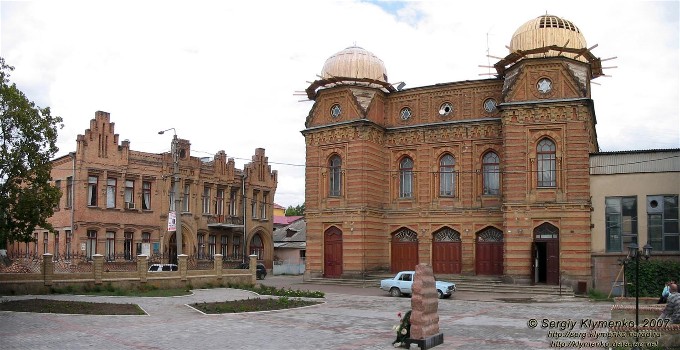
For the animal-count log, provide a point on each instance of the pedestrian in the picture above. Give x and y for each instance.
(664, 293)
(672, 309)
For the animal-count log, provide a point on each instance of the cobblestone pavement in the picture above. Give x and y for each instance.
(344, 321)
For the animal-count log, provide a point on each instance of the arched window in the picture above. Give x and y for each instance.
(257, 247)
(545, 163)
(447, 177)
(406, 178)
(334, 177)
(491, 173)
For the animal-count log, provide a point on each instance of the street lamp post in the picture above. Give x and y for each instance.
(634, 254)
(174, 149)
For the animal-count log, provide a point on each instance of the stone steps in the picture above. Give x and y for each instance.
(463, 283)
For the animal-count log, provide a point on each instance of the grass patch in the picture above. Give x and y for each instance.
(281, 292)
(596, 295)
(70, 307)
(250, 305)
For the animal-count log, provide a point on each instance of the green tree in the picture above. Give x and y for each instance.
(27, 143)
(298, 210)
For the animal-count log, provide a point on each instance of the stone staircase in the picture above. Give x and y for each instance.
(463, 283)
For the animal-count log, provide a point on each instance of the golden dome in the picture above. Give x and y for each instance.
(356, 63)
(548, 30)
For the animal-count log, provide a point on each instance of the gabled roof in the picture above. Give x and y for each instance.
(286, 220)
(293, 235)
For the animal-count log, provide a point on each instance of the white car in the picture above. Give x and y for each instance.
(401, 284)
(162, 267)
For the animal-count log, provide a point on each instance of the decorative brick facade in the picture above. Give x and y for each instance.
(400, 201)
(121, 199)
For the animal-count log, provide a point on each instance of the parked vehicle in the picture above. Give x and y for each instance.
(162, 267)
(401, 284)
(260, 273)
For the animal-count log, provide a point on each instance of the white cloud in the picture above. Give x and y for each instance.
(216, 71)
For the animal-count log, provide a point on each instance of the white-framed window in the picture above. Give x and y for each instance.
(233, 211)
(110, 248)
(206, 200)
(253, 204)
(92, 191)
(263, 206)
(219, 202)
(69, 192)
(185, 201)
(130, 193)
(91, 244)
(127, 246)
(111, 192)
(546, 164)
(146, 195)
(212, 246)
(447, 176)
(406, 178)
(334, 176)
(491, 173)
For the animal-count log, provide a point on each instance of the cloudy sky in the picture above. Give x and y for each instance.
(225, 74)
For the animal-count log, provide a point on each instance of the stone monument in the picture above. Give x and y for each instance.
(424, 303)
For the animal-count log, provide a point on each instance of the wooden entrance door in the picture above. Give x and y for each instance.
(332, 257)
(404, 250)
(489, 252)
(446, 251)
(547, 235)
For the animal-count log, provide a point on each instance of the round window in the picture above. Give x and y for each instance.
(445, 109)
(336, 111)
(490, 105)
(544, 85)
(405, 113)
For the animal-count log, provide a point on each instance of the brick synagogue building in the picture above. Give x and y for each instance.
(485, 177)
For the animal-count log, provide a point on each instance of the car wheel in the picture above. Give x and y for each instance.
(395, 292)
(440, 294)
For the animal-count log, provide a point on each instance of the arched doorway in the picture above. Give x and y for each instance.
(489, 252)
(404, 250)
(332, 248)
(172, 249)
(446, 251)
(546, 254)
(257, 246)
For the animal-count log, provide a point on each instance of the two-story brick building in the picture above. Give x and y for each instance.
(486, 177)
(115, 202)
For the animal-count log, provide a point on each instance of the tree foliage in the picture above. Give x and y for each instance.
(298, 210)
(27, 143)
(653, 274)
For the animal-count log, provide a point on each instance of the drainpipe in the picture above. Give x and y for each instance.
(245, 207)
(73, 199)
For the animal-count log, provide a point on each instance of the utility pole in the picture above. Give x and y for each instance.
(178, 200)
(174, 149)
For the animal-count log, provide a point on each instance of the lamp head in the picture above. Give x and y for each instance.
(633, 250)
(161, 132)
(647, 251)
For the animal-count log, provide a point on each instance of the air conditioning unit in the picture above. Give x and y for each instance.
(129, 205)
(654, 204)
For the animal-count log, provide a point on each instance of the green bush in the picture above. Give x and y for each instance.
(654, 273)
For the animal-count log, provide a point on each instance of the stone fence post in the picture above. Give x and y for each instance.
(218, 266)
(98, 268)
(253, 268)
(48, 269)
(142, 267)
(182, 261)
